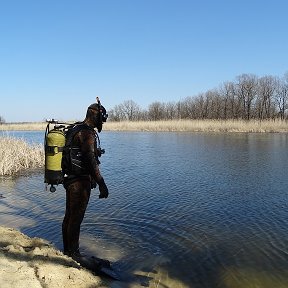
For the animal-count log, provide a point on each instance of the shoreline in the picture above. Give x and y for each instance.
(222, 126)
(34, 262)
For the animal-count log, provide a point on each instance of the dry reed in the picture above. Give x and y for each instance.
(17, 155)
(200, 126)
(174, 126)
(25, 126)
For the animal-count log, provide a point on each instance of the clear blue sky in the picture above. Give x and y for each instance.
(57, 55)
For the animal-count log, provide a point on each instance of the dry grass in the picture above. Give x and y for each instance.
(175, 126)
(200, 126)
(17, 155)
(25, 126)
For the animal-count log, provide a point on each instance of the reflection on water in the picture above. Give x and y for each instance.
(184, 210)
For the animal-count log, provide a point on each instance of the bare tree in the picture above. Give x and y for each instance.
(187, 109)
(131, 110)
(266, 95)
(230, 101)
(117, 114)
(202, 106)
(128, 110)
(281, 96)
(156, 111)
(216, 104)
(247, 92)
(170, 110)
(2, 120)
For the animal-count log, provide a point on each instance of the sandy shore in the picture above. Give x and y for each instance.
(34, 262)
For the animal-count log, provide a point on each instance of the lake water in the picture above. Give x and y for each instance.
(184, 210)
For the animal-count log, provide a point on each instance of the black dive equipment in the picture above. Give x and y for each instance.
(58, 150)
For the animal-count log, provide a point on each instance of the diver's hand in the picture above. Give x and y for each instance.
(103, 189)
(93, 183)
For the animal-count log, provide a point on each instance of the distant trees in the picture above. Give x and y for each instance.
(281, 96)
(2, 120)
(248, 97)
(128, 110)
(246, 91)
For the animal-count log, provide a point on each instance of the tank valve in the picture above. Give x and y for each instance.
(52, 189)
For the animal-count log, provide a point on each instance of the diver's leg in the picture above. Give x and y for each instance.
(65, 223)
(78, 197)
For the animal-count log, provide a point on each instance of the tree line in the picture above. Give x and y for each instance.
(247, 97)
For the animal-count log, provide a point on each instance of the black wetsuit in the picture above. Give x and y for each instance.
(78, 189)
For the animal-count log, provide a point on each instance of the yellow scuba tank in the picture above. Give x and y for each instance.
(54, 142)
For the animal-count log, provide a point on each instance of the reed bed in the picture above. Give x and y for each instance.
(17, 155)
(269, 126)
(200, 126)
(25, 126)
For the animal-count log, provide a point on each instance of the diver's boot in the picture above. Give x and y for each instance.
(73, 254)
(101, 262)
(84, 261)
(92, 263)
(76, 255)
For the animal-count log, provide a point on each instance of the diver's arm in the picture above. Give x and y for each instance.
(90, 160)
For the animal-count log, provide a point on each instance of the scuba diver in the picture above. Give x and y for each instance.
(80, 165)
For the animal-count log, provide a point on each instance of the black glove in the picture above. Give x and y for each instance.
(103, 189)
(93, 183)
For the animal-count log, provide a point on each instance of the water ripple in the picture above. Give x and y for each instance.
(189, 210)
